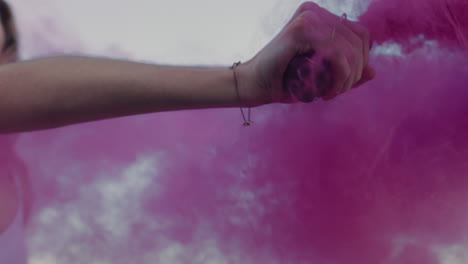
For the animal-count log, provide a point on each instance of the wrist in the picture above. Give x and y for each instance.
(251, 93)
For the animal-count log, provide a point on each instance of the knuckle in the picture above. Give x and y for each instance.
(357, 67)
(358, 43)
(345, 69)
(301, 26)
(308, 6)
(340, 65)
(308, 16)
(358, 74)
(363, 32)
(365, 36)
(359, 57)
(298, 29)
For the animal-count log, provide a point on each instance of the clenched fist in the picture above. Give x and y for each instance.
(317, 54)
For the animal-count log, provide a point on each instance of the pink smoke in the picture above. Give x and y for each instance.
(375, 176)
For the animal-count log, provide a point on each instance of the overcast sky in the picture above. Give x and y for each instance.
(189, 32)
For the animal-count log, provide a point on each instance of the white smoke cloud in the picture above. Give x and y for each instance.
(118, 199)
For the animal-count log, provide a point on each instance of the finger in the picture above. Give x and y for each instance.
(363, 33)
(332, 20)
(355, 61)
(344, 40)
(341, 72)
(305, 34)
(352, 43)
(348, 69)
(368, 74)
(348, 84)
(306, 6)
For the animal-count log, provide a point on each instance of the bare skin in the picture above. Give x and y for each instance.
(54, 92)
(60, 91)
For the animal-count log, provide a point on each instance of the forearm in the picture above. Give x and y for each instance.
(59, 91)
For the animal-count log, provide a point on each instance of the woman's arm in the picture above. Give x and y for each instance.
(59, 91)
(53, 92)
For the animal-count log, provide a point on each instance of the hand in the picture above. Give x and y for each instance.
(341, 46)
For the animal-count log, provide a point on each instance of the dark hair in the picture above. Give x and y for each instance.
(8, 22)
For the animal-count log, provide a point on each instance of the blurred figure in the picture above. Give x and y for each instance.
(14, 185)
